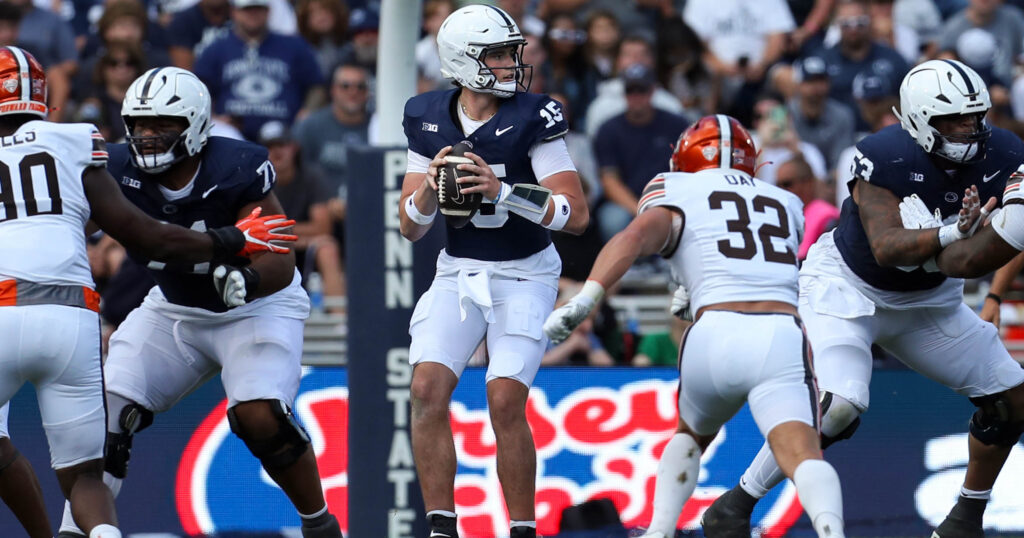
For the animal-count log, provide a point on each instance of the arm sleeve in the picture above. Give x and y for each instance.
(99, 155)
(550, 158)
(416, 163)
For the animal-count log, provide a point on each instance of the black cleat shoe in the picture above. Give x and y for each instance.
(69, 534)
(523, 532)
(963, 521)
(327, 529)
(729, 515)
(443, 527)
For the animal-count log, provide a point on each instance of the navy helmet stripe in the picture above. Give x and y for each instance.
(511, 24)
(145, 86)
(967, 79)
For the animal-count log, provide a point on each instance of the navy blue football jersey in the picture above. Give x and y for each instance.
(232, 175)
(523, 120)
(892, 159)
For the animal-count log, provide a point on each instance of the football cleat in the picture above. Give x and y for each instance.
(69, 534)
(728, 516)
(327, 529)
(963, 521)
(523, 532)
(443, 527)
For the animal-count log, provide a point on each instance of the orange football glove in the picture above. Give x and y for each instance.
(260, 231)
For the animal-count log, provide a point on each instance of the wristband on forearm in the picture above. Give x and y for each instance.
(994, 297)
(414, 212)
(562, 212)
(227, 241)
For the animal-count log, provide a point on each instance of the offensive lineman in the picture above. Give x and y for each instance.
(702, 217)
(52, 181)
(864, 283)
(498, 275)
(245, 322)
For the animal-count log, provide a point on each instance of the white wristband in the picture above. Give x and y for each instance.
(414, 212)
(593, 290)
(950, 233)
(503, 193)
(562, 212)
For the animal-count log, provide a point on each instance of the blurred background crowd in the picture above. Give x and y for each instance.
(809, 77)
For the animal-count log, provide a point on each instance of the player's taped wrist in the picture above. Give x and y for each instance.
(414, 214)
(592, 290)
(227, 242)
(949, 234)
(562, 212)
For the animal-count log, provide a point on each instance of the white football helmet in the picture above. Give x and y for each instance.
(944, 88)
(167, 92)
(465, 38)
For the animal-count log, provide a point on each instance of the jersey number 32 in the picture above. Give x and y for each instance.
(741, 225)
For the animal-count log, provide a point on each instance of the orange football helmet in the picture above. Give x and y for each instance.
(717, 141)
(22, 83)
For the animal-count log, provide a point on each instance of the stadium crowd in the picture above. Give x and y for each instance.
(809, 77)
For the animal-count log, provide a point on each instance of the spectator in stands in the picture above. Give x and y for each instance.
(795, 176)
(520, 12)
(258, 75)
(123, 21)
(326, 134)
(120, 64)
(303, 194)
(894, 33)
(324, 25)
(1004, 23)
(743, 39)
(363, 26)
(661, 348)
(855, 52)
(194, 28)
(681, 67)
(979, 49)
(428, 63)
(632, 148)
(876, 96)
(50, 39)
(566, 70)
(817, 118)
(603, 36)
(10, 18)
(811, 17)
(777, 140)
(611, 94)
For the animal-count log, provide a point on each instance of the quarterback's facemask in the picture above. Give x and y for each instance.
(474, 32)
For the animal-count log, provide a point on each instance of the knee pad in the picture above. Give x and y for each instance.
(839, 419)
(284, 447)
(133, 418)
(993, 423)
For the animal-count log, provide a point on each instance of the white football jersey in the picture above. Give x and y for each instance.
(739, 237)
(43, 208)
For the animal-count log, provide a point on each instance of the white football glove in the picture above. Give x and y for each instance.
(234, 283)
(564, 320)
(915, 214)
(681, 304)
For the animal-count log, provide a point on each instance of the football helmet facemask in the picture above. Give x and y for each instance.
(466, 38)
(941, 88)
(717, 141)
(22, 83)
(167, 92)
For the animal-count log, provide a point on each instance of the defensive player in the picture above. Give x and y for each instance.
(19, 486)
(244, 322)
(703, 217)
(498, 276)
(863, 284)
(52, 181)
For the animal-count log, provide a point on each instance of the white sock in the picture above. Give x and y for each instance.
(817, 484)
(67, 522)
(971, 494)
(314, 515)
(514, 523)
(677, 477)
(104, 531)
(444, 513)
(763, 474)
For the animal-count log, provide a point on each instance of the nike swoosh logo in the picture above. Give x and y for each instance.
(499, 132)
(986, 179)
(211, 189)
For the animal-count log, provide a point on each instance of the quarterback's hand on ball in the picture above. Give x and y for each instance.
(234, 284)
(438, 161)
(486, 182)
(916, 216)
(564, 320)
(261, 232)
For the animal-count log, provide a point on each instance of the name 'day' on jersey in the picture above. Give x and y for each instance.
(232, 174)
(522, 121)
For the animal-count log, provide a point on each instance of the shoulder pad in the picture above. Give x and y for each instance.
(546, 120)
